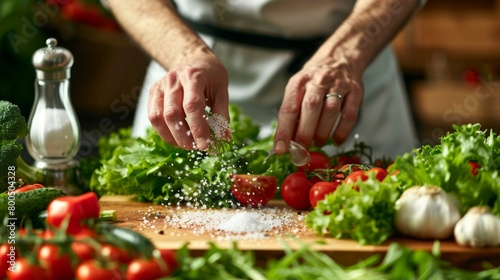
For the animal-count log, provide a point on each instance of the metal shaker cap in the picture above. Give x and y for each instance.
(52, 62)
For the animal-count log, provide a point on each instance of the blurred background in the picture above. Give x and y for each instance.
(449, 55)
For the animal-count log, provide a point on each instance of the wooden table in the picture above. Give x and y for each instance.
(131, 214)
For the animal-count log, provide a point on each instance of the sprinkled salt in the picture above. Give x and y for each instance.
(219, 125)
(243, 222)
(234, 224)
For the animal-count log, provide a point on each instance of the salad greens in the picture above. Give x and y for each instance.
(156, 171)
(305, 263)
(446, 165)
(366, 216)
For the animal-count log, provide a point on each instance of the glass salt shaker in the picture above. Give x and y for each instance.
(54, 131)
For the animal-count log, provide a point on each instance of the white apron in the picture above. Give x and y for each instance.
(258, 76)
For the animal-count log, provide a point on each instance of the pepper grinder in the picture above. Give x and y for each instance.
(54, 131)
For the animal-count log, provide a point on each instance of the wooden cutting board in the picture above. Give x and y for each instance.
(150, 220)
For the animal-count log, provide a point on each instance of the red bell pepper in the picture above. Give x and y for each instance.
(28, 188)
(74, 209)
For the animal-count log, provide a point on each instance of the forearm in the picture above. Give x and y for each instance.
(370, 27)
(156, 27)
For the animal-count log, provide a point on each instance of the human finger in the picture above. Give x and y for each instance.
(311, 110)
(173, 111)
(155, 113)
(332, 105)
(349, 115)
(289, 113)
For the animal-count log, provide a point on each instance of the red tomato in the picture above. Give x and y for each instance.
(320, 190)
(355, 176)
(170, 258)
(254, 190)
(295, 191)
(349, 168)
(140, 269)
(5, 257)
(115, 254)
(380, 173)
(58, 265)
(318, 160)
(474, 166)
(91, 270)
(339, 178)
(28, 188)
(83, 251)
(26, 270)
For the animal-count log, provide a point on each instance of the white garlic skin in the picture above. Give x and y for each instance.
(426, 212)
(478, 228)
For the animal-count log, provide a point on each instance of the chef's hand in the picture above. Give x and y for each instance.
(308, 115)
(177, 102)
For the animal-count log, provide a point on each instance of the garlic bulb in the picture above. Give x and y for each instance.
(478, 228)
(426, 212)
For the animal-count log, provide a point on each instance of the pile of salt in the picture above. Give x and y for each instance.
(242, 223)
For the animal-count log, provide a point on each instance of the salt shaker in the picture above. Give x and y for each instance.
(54, 131)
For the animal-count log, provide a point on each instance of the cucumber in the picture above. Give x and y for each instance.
(127, 239)
(28, 204)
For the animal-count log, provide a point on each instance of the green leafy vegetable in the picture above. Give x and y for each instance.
(366, 216)
(13, 128)
(159, 172)
(447, 165)
(305, 263)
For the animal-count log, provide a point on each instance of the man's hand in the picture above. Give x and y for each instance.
(177, 102)
(330, 82)
(308, 115)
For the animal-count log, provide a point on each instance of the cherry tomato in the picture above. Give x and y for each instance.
(26, 270)
(57, 264)
(318, 160)
(140, 269)
(115, 254)
(355, 177)
(83, 251)
(80, 248)
(170, 258)
(254, 190)
(380, 173)
(474, 166)
(320, 190)
(91, 270)
(6, 252)
(295, 191)
(351, 167)
(28, 188)
(339, 178)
